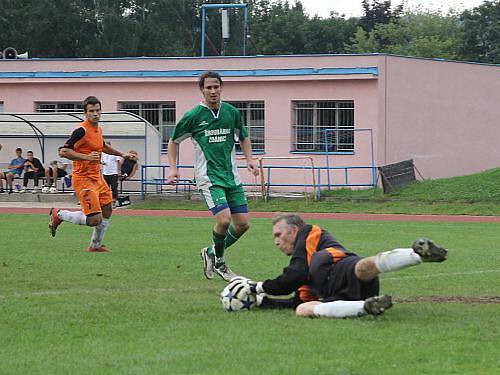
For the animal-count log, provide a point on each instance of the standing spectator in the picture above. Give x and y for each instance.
(111, 165)
(15, 168)
(33, 168)
(54, 171)
(129, 166)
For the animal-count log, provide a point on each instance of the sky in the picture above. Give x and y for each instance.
(353, 8)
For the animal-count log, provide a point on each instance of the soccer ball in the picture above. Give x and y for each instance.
(237, 298)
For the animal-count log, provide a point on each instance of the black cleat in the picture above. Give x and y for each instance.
(378, 304)
(429, 251)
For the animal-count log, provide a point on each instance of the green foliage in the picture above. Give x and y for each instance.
(146, 308)
(422, 34)
(481, 33)
(378, 12)
(114, 28)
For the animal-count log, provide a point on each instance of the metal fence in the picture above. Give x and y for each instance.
(188, 185)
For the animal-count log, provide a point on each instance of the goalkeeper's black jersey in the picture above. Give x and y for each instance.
(296, 277)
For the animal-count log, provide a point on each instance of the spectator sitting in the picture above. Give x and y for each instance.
(54, 171)
(129, 166)
(33, 168)
(15, 167)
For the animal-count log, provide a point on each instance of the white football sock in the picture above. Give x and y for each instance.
(396, 259)
(340, 309)
(75, 217)
(98, 233)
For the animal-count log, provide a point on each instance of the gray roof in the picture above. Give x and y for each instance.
(123, 124)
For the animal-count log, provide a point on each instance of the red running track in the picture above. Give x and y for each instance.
(306, 215)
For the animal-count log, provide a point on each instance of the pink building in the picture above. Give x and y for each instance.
(340, 110)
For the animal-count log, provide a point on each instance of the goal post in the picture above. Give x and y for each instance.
(308, 159)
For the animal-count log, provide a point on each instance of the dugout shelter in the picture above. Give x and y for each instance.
(43, 133)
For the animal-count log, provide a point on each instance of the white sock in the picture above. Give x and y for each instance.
(396, 259)
(340, 309)
(98, 233)
(75, 217)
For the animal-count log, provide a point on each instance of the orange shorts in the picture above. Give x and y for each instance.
(93, 193)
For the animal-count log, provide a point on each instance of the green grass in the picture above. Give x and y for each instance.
(342, 205)
(477, 194)
(146, 307)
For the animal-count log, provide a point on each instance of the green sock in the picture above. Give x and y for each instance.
(218, 240)
(231, 237)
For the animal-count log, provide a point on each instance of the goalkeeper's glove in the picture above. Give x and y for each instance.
(259, 298)
(256, 287)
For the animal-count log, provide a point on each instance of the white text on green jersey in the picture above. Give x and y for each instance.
(217, 135)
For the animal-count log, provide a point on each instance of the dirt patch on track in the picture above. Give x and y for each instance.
(485, 300)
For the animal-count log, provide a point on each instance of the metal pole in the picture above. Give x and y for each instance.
(203, 31)
(262, 179)
(268, 191)
(318, 192)
(327, 156)
(245, 21)
(142, 182)
(374, 170)
(314, 177)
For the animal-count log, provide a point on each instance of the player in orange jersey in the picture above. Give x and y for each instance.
(85, 147)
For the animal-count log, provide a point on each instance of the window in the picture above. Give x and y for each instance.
(59, 107)
(161, 115)
(313, 121)
(1, 106)
(253, 117)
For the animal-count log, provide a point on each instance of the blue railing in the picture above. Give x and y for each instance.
(185, 185)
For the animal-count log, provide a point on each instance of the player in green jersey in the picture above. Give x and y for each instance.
(213, 127)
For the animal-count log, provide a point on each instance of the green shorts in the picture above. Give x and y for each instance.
(219, 198)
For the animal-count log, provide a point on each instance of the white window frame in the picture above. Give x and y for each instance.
(315, 119)
(160, 114)
(253, 114)
(59, 107)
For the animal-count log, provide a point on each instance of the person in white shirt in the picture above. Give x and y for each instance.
(111, 166)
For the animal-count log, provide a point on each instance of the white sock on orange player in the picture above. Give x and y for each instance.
(75, 217)
(98, 233)
(396, 259)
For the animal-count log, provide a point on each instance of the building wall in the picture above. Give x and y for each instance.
(444, 115)
(441, 114)
(277, 92)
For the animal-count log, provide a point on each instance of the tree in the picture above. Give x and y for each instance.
(481, 33)
(378, 12)
(328, 35)
(277, 27)
(422, 34)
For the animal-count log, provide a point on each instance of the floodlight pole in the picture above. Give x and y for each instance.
(204, 7)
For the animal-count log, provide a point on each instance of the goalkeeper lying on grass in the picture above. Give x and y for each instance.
(328, 280)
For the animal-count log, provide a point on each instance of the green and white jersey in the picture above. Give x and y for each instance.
(213, 134)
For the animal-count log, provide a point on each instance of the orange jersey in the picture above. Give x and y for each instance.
(86, 139)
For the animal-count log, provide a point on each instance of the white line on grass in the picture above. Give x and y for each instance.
(49, 293)
(434, 275)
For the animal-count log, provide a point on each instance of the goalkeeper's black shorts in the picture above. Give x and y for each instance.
(344, 285)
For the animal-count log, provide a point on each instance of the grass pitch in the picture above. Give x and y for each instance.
(146, 307)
